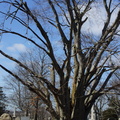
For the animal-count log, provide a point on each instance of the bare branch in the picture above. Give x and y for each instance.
(53, 89)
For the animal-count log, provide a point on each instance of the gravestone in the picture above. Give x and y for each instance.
(5, 116)
(22, 118)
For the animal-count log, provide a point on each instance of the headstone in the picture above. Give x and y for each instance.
(5, 116)
(23, 118)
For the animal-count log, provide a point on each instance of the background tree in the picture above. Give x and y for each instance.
(2, 101)
(113, 110)
(116, 80)
(20, 96)
(84, 56)
(102, 111)
(99, 106)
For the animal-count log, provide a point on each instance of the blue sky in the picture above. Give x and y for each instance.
(14, 45)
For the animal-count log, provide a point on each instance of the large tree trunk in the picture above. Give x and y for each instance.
(80, 111)
(80, 116)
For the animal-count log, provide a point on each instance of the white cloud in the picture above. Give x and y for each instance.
(96, 18)
(17, 47)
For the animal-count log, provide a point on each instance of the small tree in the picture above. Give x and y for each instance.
(83, 72)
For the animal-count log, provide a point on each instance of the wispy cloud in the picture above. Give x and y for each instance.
(17, 47)
(96, 19)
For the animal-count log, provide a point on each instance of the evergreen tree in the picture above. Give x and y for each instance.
(2, 99)
(113, 110)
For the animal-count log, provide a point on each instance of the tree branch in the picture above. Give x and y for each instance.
(49, 85)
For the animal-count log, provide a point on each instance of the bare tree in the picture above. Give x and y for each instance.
(20, 96)
(99, 106)
(112, 111)
(84, 64)
(116, 81)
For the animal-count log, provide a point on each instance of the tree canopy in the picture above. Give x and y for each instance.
(81, 62)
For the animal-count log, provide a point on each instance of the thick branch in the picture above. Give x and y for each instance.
(15, 33)
(49, 85)
(107, 79)
(65, 41)
(35, 90)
